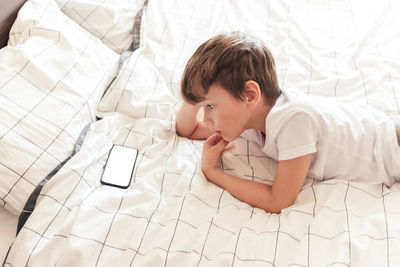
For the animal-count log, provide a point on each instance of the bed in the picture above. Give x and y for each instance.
(78, 76)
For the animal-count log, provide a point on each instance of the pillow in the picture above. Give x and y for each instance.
(52, 76)
(139, 91)
(110, 20)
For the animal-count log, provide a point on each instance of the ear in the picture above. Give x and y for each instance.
(252, 92)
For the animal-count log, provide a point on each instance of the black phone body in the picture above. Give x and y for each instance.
(119, 166)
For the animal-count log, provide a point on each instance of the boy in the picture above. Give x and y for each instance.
(233, 78)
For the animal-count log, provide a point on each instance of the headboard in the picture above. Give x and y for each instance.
(8, 13)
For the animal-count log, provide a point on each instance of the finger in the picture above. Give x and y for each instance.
(220, 146)
(213, 140)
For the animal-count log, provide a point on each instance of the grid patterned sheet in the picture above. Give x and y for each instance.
(52, 76)
(110, 20)
(171, 215)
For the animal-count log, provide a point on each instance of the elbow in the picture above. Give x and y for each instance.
(279, 200)
(270, 207)
(181, 131)
(278, 208)
(277, 203)
(273, 208)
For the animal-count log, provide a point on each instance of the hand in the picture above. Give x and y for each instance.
(213, 148)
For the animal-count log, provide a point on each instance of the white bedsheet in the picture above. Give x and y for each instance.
(171, 215)
(8, 223)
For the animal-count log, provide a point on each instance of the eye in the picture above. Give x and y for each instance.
(209, 106)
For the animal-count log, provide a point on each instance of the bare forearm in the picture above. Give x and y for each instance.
(187, 124)
(254, 193)
(288, 180)
(186, 121)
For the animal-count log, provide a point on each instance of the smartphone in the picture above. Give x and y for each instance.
(119, 166)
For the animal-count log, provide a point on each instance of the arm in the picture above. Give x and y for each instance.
(288, 180)
(187, 124)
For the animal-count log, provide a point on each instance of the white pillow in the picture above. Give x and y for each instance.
(52, 76)
(139, 92)
(110, 20)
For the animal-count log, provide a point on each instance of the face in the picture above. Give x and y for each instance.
(224, 113)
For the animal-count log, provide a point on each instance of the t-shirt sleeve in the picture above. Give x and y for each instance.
(298, 137)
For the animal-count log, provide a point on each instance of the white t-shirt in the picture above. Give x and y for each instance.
(347, 141)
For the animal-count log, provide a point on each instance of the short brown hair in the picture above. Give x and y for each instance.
(230, 60)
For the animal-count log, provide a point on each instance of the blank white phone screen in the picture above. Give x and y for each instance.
(119, 166)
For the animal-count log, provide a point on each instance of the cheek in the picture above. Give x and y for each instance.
(237, 119)
(227, 121)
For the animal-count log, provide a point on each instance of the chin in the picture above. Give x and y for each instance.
(227, 138)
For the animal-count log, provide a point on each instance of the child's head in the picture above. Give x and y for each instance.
(230, 60)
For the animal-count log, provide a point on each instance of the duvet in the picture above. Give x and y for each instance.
(171, 215)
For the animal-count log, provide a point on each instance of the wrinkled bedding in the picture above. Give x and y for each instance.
(171, 215)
